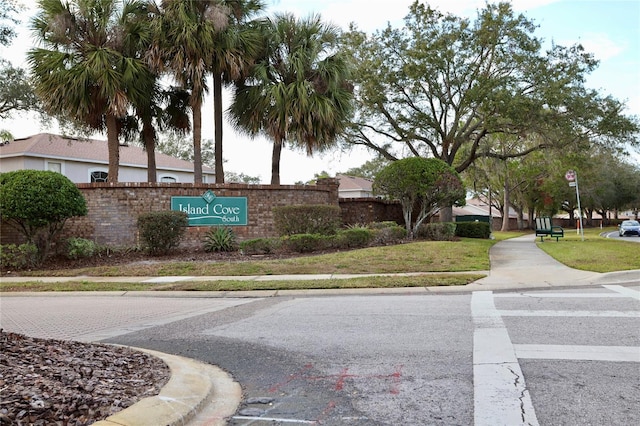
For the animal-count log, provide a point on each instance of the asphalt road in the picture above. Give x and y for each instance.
(616, 236)
(561, 357)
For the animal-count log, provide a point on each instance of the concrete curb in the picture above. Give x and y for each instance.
(197, 393)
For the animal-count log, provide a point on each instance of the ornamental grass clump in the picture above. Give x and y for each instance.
(219, 239)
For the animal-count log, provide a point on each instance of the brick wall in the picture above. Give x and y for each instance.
(113, 209)
(367, 210)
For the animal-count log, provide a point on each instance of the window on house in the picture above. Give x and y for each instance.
(54, 167)
(168, 179)
(99, 176)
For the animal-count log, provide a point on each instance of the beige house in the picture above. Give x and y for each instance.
(354, 187)
(86, 160)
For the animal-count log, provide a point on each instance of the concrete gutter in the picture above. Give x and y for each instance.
(197, 393)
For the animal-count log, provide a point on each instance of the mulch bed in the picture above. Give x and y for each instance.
(58, 382)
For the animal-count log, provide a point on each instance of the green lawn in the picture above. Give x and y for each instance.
(442, 262)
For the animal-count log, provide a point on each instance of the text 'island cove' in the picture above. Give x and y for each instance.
(209, 210)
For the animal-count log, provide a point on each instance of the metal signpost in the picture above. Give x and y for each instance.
(572, 177)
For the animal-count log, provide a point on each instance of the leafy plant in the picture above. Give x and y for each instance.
(38, 203)
(473, 229)
(307, 219)
(390, 234)
(18, 257)
(304, 243)
(161, 231)
(260, 245)
(220, 239)
(355, 237)
(445, 231)
(80, 247)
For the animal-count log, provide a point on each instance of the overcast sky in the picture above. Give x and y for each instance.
(610, 29)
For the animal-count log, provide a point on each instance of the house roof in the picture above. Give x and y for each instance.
(354, 183)
(47, 145)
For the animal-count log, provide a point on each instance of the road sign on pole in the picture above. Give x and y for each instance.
(572, 177)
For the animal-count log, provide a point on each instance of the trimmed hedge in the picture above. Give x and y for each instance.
(305, 243)
(260, 245)
(161, 231)
(473, 229)
(438, 231)
(307, 219)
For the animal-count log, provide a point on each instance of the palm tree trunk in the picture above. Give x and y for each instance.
(113, 145)
(275, 161)
(197, 141)
(217, 119)
(150, 146)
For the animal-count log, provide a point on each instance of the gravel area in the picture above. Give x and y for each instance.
(58, 382)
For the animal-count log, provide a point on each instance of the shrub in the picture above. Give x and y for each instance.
(220, 239)
(260, 245)
(80, 247)
(307, 219)
(473, 229)
(161, 231)
(382, 225)
(18, 257)
(390, 234)
(445, 231)
(354, 237)
(38, 203)
(304, 243)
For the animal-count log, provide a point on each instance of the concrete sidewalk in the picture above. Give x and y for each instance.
(200, 394)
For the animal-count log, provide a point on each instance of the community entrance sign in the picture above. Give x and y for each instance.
(209, 210)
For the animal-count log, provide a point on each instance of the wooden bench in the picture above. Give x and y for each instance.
(544, 228)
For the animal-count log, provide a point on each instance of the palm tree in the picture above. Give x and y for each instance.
(298, 91)
(234, 48)
(88, 69)
(184, 39)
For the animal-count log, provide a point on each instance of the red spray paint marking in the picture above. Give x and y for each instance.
(330, 406)
(340, 379)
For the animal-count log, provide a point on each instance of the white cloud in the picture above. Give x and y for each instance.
(601, 46)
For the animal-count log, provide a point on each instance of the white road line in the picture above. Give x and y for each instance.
(628, 292)
(562, 295)
(500, 393)
(579, 353)
(542, 313)
(271, 419)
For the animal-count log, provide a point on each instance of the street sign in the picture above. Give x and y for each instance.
(570, 175)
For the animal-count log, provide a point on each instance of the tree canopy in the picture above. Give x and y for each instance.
(426, 183)
(297, 91)
(440, 85)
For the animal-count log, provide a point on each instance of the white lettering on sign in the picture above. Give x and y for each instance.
(194, 210)
(220, 209)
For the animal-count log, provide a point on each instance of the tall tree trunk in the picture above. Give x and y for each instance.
(505, 206)
(275, 161)
(197, 141)
(149, 136)
(446, 214)
(113, 145)
(217, 119)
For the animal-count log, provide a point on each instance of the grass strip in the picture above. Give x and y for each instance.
(426, 280)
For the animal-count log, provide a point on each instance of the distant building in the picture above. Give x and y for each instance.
(354, 187)
(87, 160)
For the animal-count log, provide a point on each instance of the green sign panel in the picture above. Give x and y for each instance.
(209, 210)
